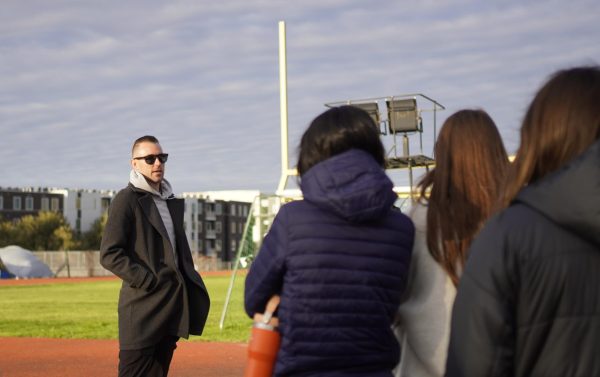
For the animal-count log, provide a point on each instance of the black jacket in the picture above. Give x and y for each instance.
(156, 297)
(528, 303)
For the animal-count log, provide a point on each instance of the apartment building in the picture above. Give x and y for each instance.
(215, 220)
(214, 227)
(18, 202)
(82, 207)
(79, 207)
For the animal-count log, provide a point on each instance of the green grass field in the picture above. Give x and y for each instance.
(89, 310)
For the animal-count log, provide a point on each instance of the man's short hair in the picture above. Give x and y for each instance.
(145, 138)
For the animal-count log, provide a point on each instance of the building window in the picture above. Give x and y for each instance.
(218, 209)
(210, 208)
(210, 246)
(233, 245)
(45, 204)
(232, 210)
(219, 245)
(245, 211)
(54, 205)
(29, 203)
(241, 227)
(199, 227)
(233, 229)
(218, 227)
(1, 202)
(200, 207)
(17, 203)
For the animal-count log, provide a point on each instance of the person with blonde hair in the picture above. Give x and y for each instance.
(528, 302)
(456, 197)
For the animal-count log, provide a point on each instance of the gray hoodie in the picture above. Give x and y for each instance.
(160, 199)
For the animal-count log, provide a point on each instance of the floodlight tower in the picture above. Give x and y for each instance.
(286, 171)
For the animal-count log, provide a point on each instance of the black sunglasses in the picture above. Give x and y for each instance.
(151, 158)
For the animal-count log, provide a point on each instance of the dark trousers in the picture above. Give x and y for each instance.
(153, 361)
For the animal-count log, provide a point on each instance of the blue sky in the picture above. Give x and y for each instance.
(80, 80)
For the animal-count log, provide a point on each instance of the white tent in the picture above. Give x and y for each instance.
(22, 263)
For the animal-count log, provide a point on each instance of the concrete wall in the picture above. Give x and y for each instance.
(81, 263)
(87, 263)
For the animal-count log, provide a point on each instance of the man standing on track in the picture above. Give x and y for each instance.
(162, 297)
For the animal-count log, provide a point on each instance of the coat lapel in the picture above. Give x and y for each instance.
(151, 212)
(176, 208)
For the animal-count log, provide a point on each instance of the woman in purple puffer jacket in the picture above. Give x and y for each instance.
(339, 258)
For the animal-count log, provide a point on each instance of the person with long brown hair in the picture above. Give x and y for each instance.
(456, 197)
(528, 303)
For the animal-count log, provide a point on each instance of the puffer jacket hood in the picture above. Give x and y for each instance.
(570, 196)
(351, 185)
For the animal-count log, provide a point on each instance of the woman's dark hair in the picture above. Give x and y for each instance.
(338, 130)
(463, 188)
(562, 121)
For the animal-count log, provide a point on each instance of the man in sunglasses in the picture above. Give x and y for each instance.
(162, 297)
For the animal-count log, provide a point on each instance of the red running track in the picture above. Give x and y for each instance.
(29, 357)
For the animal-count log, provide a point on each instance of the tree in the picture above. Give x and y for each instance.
(62, 237)
(90, 240)
(38, 232)
(45, 231)
(7, 233)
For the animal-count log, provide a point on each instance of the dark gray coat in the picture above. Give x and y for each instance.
(528, 303)
(156, 297)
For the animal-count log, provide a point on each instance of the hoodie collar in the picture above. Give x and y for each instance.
(139, 181)
(570, 196)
